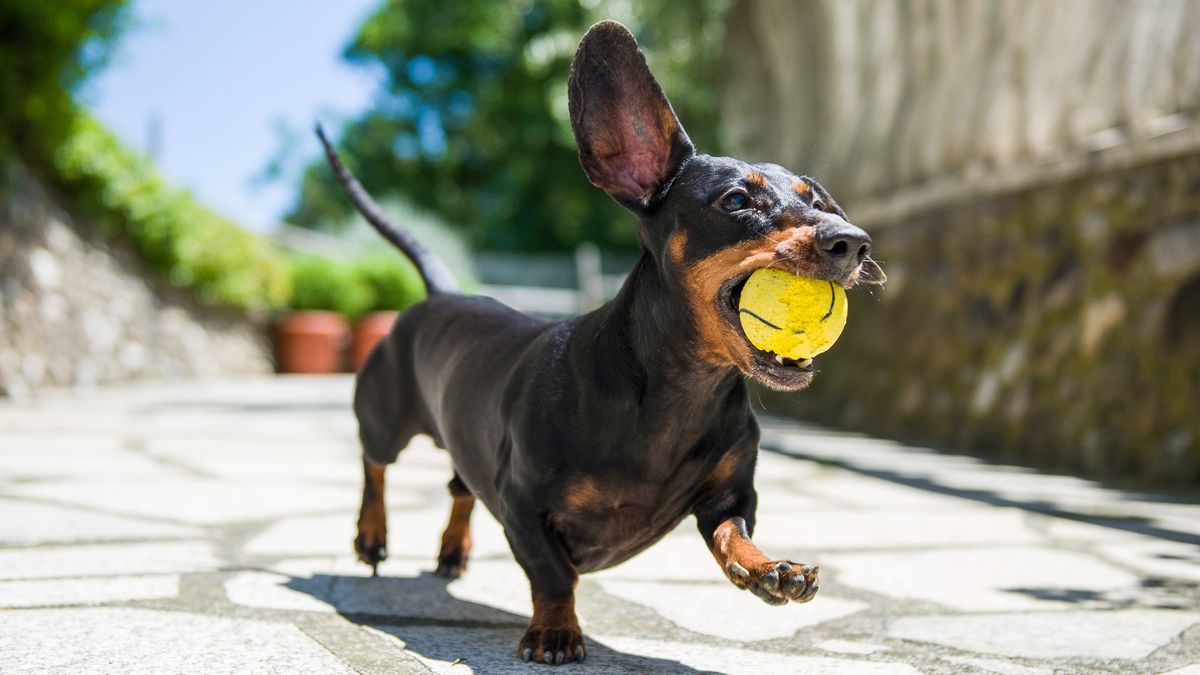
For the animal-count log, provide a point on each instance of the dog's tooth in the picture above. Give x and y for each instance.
(779, 359)
(804, 363)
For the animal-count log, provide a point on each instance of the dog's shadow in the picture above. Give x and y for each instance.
(436, 625)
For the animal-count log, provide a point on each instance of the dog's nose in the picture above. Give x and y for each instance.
(844, 244)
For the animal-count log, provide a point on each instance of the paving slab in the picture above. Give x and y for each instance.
(690, 607)
(106, 559)
(123, 640)
(25, 524)
(87, 591)
(194, 501)
(1130, 634)
(990, 578)
(207, 527)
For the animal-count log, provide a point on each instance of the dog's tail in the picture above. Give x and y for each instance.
(433, 271)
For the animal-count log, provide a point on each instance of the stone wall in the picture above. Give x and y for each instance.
(77, 309)
(876, 95)
(1058, 326)
(1044, 302)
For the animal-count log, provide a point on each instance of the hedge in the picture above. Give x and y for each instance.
(190, 245)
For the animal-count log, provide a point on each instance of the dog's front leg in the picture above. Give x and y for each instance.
(553, 635)
(727, 522)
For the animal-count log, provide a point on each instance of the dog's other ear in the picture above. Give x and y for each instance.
(630, 142)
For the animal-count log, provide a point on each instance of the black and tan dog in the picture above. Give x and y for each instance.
(590, 439)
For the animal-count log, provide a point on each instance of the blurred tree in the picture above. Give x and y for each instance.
(47, 49)
(472, 121)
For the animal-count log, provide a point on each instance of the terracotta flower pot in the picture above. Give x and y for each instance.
(311, 342)
(369, 331)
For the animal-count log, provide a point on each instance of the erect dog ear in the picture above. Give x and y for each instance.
(630, 142)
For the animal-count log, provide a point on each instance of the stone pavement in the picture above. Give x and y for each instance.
(206, 528)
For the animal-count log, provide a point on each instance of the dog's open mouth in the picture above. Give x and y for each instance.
(766, 363)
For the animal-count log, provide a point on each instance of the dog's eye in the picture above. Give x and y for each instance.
(735, 201)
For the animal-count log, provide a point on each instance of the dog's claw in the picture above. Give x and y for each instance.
(739, 571)
(552, 645)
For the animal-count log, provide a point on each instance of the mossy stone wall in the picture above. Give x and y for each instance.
(1057, 325)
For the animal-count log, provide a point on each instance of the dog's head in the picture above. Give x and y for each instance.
(708, 222)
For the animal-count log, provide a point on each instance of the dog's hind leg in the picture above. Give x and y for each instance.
(384, 429)
(456, 540)
(371, 542)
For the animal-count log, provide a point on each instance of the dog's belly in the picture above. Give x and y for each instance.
(599, 539)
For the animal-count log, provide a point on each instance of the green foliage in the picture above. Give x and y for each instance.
(393, 282)
(320, 283)
(377, 281)
(192, 246)
(46, 51)
(473, 122)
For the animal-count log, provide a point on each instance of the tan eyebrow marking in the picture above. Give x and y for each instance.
(675, 244)
(757, 179)
(801, 187)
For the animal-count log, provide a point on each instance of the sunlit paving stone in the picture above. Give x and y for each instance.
(1003, 667)
(98, 559)
(490, 652)
(200, 501)
(981, 579)
(850, 647)
(895, 528)
(745, 617)
(114, 640)
(87, 591)
(271, 591)
(39, 455)
(25, 523)
(1121, 634)
(240, 499)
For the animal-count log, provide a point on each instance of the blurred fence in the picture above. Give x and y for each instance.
(552, 285)
(1030, 173)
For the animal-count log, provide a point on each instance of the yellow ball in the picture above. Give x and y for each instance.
(792, 316)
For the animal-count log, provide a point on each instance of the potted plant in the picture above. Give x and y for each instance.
(312, 337)
(394, 285)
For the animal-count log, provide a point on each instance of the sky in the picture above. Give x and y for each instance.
(221, 77)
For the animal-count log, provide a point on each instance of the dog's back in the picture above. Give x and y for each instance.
(446, 343)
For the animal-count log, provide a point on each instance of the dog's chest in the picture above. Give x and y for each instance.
(605, 521)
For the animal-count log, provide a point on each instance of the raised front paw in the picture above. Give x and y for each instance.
(552, 644)
(776, 582)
